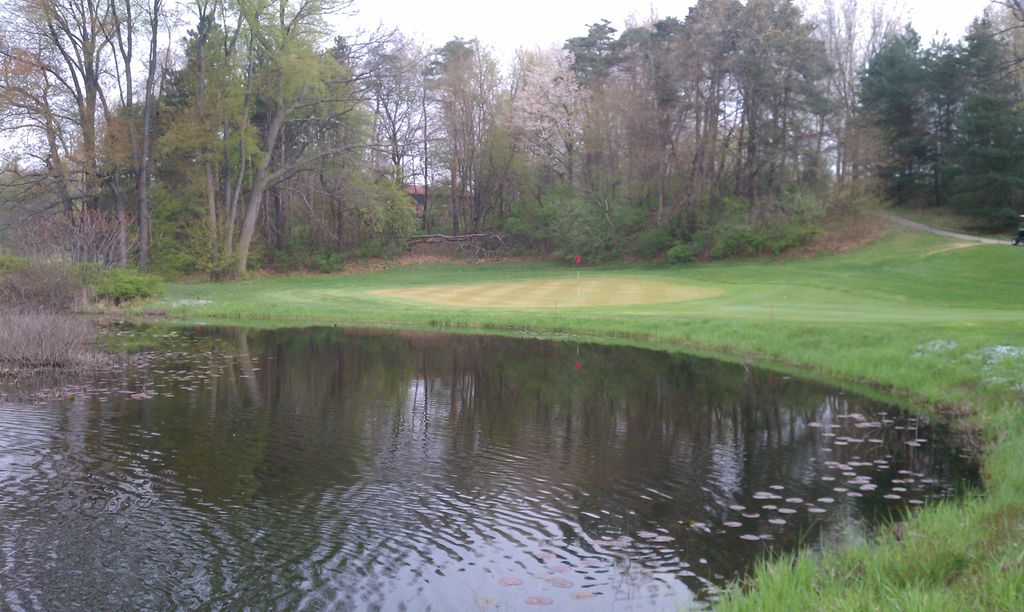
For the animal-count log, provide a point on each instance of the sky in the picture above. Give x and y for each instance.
(506, 26)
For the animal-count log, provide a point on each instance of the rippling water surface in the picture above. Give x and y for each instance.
(369, 470)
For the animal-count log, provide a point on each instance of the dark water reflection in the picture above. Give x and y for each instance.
(365, 470)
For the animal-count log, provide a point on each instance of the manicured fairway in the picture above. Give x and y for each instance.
(554, 293)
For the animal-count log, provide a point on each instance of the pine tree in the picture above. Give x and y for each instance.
(892, 97)
(988, 153)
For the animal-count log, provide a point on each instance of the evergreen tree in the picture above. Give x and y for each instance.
(944, 90)
(989, 150)
(892, 97)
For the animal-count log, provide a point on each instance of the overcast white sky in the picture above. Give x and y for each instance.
(505, 26)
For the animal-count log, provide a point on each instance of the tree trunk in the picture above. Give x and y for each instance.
(147, 115)
(211, 213)
(260, 181)
(122, 224)
(252, 209)
(55, 163)
(202, 38)
(454, 197)
(426, 169)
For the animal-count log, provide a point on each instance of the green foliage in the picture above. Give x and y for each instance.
(988, 152)
(581, 228)
(121, 285)
(892, 94)
(594, 54)
(531, 224)
(744, 241)
(292, 254)
(802, 206)
(295, 254)
(385, 211)
(9, 263)
(649, 243)
(327, 262)
(682, 253)
(379, 248)
(518, 232)
(724, 232)
(180, 234)
(951, 122)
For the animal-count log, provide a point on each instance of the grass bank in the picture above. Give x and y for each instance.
(915, 315)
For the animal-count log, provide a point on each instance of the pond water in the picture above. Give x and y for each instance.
(341, 469)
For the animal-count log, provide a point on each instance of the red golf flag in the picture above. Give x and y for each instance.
(579, 260)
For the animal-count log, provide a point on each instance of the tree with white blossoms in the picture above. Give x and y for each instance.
(548, 109)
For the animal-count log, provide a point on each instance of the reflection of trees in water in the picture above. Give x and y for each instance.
(333, 395)
(306, 408)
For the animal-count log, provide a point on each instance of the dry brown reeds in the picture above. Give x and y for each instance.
(30, 341)
(40, 286)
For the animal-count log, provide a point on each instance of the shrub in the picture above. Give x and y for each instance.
(769, 240)
(180, 233)
(293, 255)
(681, 253)
(124, 285)
(375, 247)
(329, 261)
(520, 233)
(649, 243)
(735, 242)
(786, 237)
(580, 228)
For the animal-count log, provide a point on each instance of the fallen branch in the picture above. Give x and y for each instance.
(437, 238)
(481, 243)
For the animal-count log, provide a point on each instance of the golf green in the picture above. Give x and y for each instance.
(548, 293)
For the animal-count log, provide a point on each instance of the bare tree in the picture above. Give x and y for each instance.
(73, 35)
(31, 112)
(83, 237)
(852, 31)
(394, 69)
(465, 79)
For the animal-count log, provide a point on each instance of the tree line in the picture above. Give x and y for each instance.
(215, 136)
(951, 119)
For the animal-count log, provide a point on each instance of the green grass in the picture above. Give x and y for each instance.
(908, 315)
